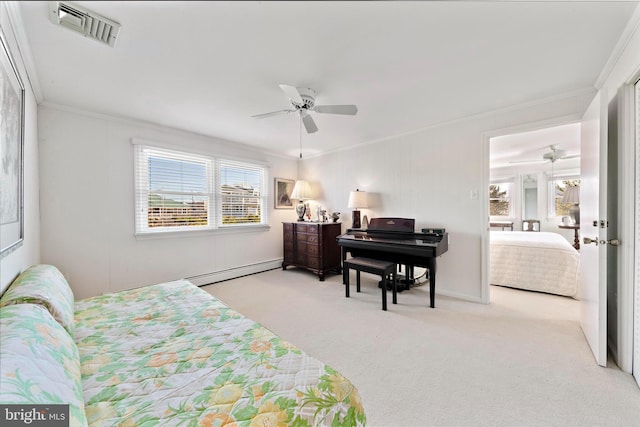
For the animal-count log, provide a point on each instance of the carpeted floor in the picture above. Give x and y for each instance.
(520, 361)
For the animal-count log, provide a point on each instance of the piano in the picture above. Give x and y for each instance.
(395, 240)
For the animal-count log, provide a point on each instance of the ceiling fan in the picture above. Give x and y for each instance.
(551, 156)
(303, 101)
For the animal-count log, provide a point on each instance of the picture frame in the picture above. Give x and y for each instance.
(11, 152)
(282, 193)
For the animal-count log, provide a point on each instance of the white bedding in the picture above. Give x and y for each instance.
(536, 261)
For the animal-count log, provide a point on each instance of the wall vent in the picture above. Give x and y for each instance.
(84, 21)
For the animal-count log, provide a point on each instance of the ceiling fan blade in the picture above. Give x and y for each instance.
(527, 161)
(273, 113)
(309, 124)
(292, 93)
(573, 156)
(336, 109)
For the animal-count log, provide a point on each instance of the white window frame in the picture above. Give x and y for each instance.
(511, 188)
(551, 193)
(212, 193)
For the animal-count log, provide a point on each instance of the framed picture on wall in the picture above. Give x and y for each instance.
(11, 152)
(282, 193)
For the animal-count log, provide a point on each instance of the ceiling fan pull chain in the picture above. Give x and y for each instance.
(300, 129)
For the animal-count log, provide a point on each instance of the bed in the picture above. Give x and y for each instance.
(535, 261)
(166, 354)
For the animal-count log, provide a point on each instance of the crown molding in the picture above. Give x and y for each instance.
(627, 34)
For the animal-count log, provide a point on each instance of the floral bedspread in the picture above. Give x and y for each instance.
(170, 354)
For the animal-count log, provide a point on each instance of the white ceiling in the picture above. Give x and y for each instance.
(524, 151)
(206, 67)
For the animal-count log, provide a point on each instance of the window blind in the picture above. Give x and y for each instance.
(182, 191)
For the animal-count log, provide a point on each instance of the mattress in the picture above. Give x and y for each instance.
(536, 261)
(171, 354)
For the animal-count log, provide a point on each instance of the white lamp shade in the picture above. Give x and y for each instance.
(301, 191)
(571, 194)
(357, 199)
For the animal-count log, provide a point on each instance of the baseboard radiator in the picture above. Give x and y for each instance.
(235, 272)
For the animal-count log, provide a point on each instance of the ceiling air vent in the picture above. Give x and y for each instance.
(84, 21)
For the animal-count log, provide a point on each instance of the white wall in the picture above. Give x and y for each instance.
(29, 253)
(87, 206)
(430, 175)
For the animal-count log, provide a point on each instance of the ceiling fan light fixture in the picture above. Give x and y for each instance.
(303, 101)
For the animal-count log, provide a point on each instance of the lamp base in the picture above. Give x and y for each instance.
(300, 210)
(356, 220)
(574, 213)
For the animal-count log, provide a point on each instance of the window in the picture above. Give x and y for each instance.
(500, 199)
(177, 191)
(556, 192)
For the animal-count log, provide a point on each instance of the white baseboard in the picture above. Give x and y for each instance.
(232, 273)
(457, 295)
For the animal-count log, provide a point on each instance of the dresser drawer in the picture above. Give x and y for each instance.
(313, 250)
(301, 258)
(307, 228)
(312, 238)
(313, 261)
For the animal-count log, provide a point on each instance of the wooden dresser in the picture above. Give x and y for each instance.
(312, 245)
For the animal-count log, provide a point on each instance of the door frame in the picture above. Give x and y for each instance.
(626, 222)
(627, 179)
(484, 184)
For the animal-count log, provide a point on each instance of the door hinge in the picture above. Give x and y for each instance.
(602, 223)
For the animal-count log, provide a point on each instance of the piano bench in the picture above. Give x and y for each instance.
(373, 266)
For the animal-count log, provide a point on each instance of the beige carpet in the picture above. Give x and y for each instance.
(520, 361)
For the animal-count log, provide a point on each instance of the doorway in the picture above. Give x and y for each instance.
(531, 174)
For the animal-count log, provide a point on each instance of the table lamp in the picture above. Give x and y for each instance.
(357, 199)
(572, 195)
(301, 192)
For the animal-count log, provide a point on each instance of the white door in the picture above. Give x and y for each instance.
(593, 221)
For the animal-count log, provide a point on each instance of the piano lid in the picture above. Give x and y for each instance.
(404, 225)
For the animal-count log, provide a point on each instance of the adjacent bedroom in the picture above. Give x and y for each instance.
(534, 207)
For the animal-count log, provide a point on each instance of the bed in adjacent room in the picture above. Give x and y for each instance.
(535, 261)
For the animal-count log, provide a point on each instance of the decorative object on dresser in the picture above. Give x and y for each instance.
(572, 195)
(312, 245)
(357, 199)
(301, 192)
(283, 188)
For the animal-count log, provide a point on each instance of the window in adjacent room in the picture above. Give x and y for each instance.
(501, 200)
(179, 191)
(556, 192)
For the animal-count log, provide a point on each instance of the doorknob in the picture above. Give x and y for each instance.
(612, 242)
(588, 240)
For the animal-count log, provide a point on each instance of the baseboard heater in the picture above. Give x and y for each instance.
(235, 272)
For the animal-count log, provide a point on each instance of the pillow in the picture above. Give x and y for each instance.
(44, 285)
(40, 361)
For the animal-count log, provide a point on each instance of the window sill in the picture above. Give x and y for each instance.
(178, 234)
